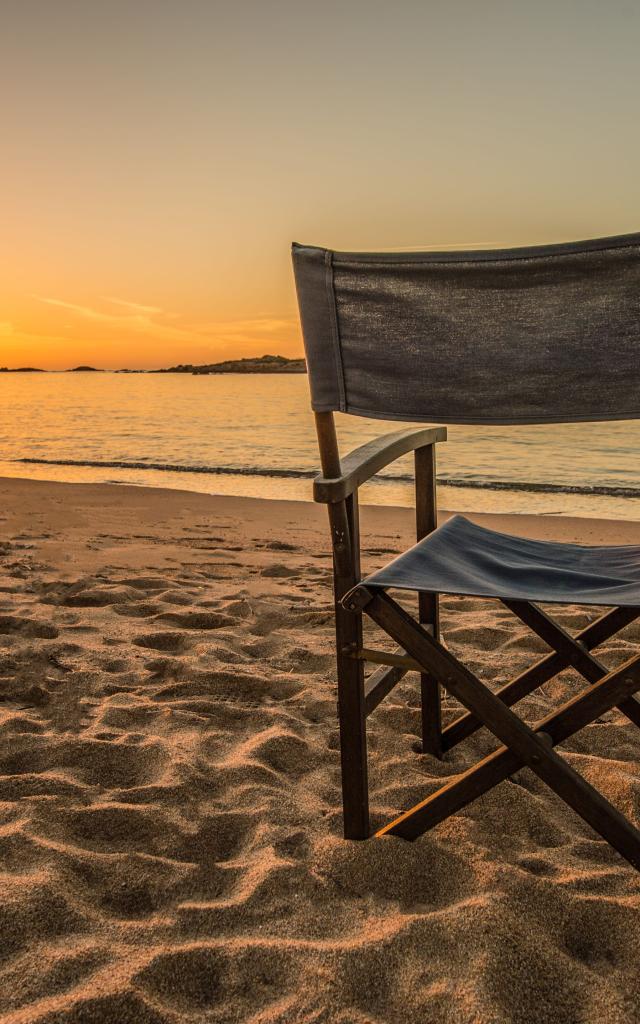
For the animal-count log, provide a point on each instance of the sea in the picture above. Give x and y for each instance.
(254, 435)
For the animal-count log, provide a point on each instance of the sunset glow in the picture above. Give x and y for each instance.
(158, 159)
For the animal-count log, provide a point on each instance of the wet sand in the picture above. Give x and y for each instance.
(170, 844)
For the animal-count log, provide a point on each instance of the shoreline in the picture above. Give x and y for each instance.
(459, 483)
(571, 529)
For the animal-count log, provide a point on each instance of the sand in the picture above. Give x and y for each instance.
(170, 841)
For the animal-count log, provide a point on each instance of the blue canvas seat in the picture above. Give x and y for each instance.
(461, 557)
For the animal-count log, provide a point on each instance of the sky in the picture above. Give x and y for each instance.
(157, 157)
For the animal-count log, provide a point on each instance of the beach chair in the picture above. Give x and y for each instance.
(549, 334)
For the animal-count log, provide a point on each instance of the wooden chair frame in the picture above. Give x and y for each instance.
(419, 649)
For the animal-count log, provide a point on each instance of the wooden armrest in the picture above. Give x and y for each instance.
(363, 463)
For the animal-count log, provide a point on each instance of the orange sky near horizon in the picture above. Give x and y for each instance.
(159, 157)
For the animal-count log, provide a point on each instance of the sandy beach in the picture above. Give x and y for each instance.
(170, 831)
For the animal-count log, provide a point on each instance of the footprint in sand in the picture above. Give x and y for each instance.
(129, 885)
(36, 911)
(91, 762)
(278, 571)
(294, 846)
(278, 545)
(487, 638)
(147, 583)
(285, 752)
(139, 610)
(170, 642)
(117, 827)
(97, 596)
(128, 717)
(218, 837)
(188, 980)
(313, 618)
(239, 608)
(66, 970)
(199, 976)
(234, 686)
(198, 620)
(27, 627)
(176, 597)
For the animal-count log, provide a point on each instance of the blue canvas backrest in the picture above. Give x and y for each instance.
(532, 335)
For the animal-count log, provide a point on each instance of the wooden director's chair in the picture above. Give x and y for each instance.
(537, 335)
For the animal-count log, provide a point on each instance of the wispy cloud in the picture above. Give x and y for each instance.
(146, 320)
(252, 326)
(134, 306)
(80, 310)
(136, 318)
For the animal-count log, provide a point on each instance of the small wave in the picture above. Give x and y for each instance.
(610, 491)
(542, 488)
(167, 467)
(613, 491)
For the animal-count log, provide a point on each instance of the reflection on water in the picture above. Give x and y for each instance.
(225, 434)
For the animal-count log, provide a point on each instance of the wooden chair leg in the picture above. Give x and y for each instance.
(430, 691)
(430, 696)
(428, 608)
(352, 715)
(528, 746)
(353, 729)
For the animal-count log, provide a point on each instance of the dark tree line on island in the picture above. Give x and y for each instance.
(259, 364)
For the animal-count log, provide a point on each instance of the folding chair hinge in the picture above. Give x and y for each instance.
(357, 599)
(349, 650)
(340, 541)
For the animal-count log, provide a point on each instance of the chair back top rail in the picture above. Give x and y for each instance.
(543, 334)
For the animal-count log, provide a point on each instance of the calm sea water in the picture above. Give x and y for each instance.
(254, 435)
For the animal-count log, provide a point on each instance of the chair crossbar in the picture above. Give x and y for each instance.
(393, 667)
(528, 746)
(591, 636)
(380, 683)
(556, 637)
(398, 658)
(584, 662)
(502, 763)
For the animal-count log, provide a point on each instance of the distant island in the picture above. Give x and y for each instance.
(258, 364)
(22, 369)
